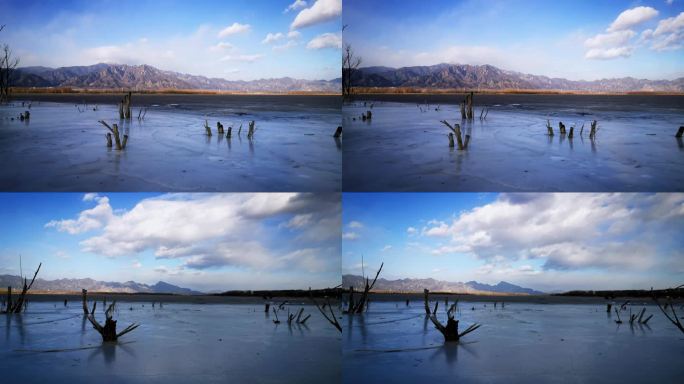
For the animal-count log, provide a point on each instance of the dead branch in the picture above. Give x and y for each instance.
(114, 130)
(108, 331)
(456, 129)
(360, 306)
(674, 319)
(450, 330)
(332, 319)
(19, 305)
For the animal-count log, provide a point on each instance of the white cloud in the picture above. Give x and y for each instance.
(411, 230)
(355, 224)
(326, 40)
(286, 46)
(87, 220)
(298, 4)
(632, 17)
(669, 2)
(222, 46)
(611, 39)
(234, 29)
(320, 12)
(350, 236)
(272, 37)
(567, 231)
(136, 264)
(608, 53)
(294, 35)
(243, 58)
(669, 34)
(386, 248)
(214, 230)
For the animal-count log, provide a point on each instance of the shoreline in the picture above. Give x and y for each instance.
(458, 91)
(172, 92)
(417, 298)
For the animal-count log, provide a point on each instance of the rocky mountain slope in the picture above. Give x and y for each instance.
(417, 285)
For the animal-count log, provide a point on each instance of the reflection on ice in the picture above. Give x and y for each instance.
(177, 343)
(522, 342)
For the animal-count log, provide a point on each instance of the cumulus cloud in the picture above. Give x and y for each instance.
(355, 224)
(632, 17)
(222, 46)
(609, 53)
(89, 219)
(272, 37)
(326, 40)
(566, 231)
(234, 29)
(386, 248)
(214, 230)
(350, 235)
(411, 230)
(294, 35)
(298, 4)
(669, 34)
(320, 12)
(617, 38)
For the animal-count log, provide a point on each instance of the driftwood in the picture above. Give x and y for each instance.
(114, 129)
(462, 141)
(338, 132)
(450, 330)
(332, 319)
(360, 306)
(19, 305)
(674, 319)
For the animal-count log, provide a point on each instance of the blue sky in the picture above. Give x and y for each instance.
(579, 39)
(185, 36)
(201, 241)
(548, 241)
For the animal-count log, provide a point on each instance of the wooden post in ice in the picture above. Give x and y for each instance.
(549, 128)
(219, 128)
(251, 130)
(609, 306)
(108, 136)
(229, 133)
(207, 128)
(680, 132)
(84, 292)
(561, 128)
(463, 112)
(425, 301)
(451, 139)
(592, 132)
(469, 105)
(572, 132)
(267, 306)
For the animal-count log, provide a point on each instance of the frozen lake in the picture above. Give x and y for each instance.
(404, 149)
(523, 343)
(179, 343)
(64, 149)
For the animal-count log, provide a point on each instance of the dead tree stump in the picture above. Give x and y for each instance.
(229, 133)
(207, 128)
(108, 331)
(462, 142)
(84, 293)
(450, 330)
(425, 301)
(219, 128)
(338, 132)
(571, 134)
(20, 304)
(549, 128)
(561, 128)
(251, 130)
(463, 111)
(680, 132)
(609, 306)
(451, 139)
(469, 106)
(594, 129)
(114, 129)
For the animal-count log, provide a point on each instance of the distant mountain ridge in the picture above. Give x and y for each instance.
(488, 77)
(147, 77)
(417, 286)
(75, 285)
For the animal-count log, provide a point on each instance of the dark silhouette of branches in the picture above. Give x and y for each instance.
(350, 63)
(7, 65)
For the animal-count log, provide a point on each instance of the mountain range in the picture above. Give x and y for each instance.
(146, 77)
(417, 286)
(488, 77)
(75, 285)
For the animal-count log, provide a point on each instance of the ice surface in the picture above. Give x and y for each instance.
(404, 149)
(523, 343)
(179, 343)
(62, 149)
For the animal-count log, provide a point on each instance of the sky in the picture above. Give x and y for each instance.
(576, 40)
(235, 40)
(207, 242)
(545, 241)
